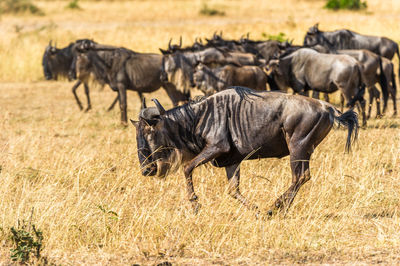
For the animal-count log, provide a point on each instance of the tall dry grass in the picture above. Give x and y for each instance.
(80, 174)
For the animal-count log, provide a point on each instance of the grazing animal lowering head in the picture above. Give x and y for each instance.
(48, 55)
(156, 156)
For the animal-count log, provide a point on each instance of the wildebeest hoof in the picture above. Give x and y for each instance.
(124, 124)
(87, 109)
(271, 213)
(196, 207)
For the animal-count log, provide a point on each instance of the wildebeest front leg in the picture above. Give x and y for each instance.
(233, 174)
(374, 94)
(300, 175)
(123, 104)
(206, 155)
(76, 96)
(89, 106)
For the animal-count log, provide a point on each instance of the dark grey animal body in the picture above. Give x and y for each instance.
(125, 70)
(306, 69)
(346, 39)
(178, 67)
(217, 79)
(57, 62)
(372, 73)
(234, 125)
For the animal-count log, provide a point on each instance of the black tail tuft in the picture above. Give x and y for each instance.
(350, 120)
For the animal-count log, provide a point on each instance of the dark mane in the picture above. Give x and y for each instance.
(244, 92)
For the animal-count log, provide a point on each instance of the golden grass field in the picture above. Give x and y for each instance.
(80, 175)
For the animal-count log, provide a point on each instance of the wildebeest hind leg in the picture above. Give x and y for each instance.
(76, 85)
(300, 175)
(113, 104)
(233, 174)
(89, 106)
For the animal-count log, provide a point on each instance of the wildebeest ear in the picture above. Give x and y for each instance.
(135, 123)
(163, 51)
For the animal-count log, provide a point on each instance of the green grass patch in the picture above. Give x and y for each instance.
(346, 4)
(73, 5)
(208, 11)
(19, 6)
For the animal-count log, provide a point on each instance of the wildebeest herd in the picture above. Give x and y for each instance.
(237, 119)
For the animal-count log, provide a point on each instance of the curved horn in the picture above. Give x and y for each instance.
(180, 42)
(159, 106)
(50, 42)
(169, 44)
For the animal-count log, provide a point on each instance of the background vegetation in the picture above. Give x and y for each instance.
(80, 174)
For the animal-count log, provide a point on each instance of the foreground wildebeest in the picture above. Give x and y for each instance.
(306, 69)
(57, 62)
(217, 79)
(346, 39)
(124, 70)
(234, 125)
(178, 67)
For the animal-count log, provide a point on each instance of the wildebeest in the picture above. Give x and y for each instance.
(124, 69)
(57, 62)
(234, 125)
(306, 69)
(178, 67)
(217, 79)
(346, 39)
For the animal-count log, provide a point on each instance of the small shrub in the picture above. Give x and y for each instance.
(27, 240)
(346, 4)
(207, 11)
(281, 37)
(73, 5)
(19, 6)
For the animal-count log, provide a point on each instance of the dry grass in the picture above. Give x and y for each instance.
(80, 173)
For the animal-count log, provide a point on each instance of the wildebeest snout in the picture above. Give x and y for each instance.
(150, 170)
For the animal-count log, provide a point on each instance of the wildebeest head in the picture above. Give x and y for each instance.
(47, 61)
(79, 50)
(312, 36)
(156, 155)
(201, 79)
(177, 68)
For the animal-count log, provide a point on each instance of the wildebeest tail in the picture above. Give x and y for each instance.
(398, 56)
(394, 83)
(383, 82)
(350, 120)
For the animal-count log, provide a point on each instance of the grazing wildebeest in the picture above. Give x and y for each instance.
(234, 125)
(375, 69)
(57, 62)
(372, 73)
(178, 67)
(346, 39)
(217, 79)
(306, 69)
(124, 70)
